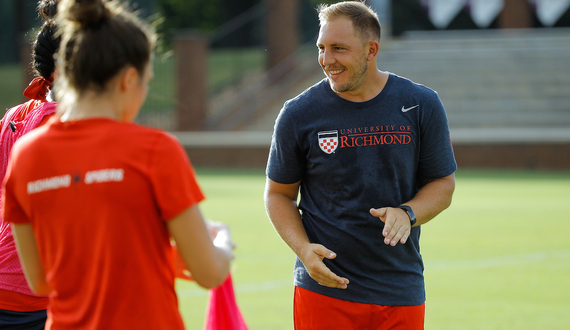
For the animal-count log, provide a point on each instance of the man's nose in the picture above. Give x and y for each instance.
(326, 57)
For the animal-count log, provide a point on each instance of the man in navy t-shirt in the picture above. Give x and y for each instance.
(370, 154)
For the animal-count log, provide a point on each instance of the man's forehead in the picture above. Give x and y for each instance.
(337, 31)
(341, 22)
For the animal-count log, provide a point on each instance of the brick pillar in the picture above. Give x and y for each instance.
(191, 66)
(516, 14)
(282, 30)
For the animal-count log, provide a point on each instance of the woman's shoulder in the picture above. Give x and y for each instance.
(148, 131)
(148, 138)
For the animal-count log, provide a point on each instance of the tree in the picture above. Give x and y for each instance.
(202, 15)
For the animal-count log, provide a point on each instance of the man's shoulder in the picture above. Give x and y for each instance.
(407, 85)
(313, 94)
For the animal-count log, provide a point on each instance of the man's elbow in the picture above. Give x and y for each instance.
(449, 190)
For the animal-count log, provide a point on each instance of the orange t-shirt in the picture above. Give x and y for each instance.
(97, 193)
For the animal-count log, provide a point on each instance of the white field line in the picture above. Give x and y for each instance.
(502, 261)
(437, 265)
(241, 288)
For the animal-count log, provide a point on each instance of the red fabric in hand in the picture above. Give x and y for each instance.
(222, 311)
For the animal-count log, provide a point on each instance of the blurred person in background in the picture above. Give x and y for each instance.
(369, 152)
(20, 308)
(94, 199)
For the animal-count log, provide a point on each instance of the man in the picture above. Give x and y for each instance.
(370, 153)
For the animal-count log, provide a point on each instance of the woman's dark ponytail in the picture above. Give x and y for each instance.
(47, 41)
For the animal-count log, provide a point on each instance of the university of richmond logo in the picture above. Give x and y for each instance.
(328, 141)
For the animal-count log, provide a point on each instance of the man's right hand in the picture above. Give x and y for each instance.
(312, 257)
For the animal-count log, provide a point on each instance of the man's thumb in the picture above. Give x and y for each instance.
(325, 253)
(378, 212)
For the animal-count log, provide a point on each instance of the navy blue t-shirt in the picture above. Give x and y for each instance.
(353, 156)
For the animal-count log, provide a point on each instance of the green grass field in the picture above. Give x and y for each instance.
(498, 258)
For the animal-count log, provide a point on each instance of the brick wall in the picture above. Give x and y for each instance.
(540, 156)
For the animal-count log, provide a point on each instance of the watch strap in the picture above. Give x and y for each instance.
(410, 213)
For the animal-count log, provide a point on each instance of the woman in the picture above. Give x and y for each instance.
(19, 306)
(94, 199)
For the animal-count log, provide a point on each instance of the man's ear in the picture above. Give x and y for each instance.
(373, 48)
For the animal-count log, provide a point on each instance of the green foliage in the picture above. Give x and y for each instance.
(318, 2)
(202, 15)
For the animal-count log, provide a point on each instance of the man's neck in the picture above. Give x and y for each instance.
(373, 85)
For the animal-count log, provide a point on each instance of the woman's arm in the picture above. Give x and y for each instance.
(208, 261)
(30, 258)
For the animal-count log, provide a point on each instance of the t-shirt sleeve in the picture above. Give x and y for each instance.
(286, 161)
(173, 178)
(12, 210)
(436, 151)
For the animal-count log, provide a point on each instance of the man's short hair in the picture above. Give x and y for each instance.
(364, 19)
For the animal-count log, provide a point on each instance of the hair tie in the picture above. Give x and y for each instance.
(38, 89)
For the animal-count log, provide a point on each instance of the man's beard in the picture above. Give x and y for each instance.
(356, 79)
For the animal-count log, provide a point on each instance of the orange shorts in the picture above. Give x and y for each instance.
(313, 311)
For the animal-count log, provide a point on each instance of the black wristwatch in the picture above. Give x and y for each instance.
(410, 213)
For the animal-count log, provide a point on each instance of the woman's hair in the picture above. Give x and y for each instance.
(364, 19)
(100, 38)
(47, 42)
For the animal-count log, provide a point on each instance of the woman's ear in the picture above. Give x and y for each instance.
(129, 79)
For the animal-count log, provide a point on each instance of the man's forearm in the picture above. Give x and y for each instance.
(282, 210)
(434, 197)
(286, 220)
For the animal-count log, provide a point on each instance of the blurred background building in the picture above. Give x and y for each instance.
(224, 68)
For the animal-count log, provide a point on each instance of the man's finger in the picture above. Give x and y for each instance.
(391, 232)
(327, 278)
(398, 235)
(379, 213)
(321, 273)
(402, 235)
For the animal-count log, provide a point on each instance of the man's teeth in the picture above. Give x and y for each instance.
(335, 71)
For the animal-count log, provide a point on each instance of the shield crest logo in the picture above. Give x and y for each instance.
(328, 141)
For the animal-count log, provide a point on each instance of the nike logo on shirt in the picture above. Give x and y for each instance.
(404, 109)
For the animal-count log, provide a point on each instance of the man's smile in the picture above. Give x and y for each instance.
(334, 72)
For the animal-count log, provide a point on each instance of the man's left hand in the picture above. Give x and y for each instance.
(397, 225)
